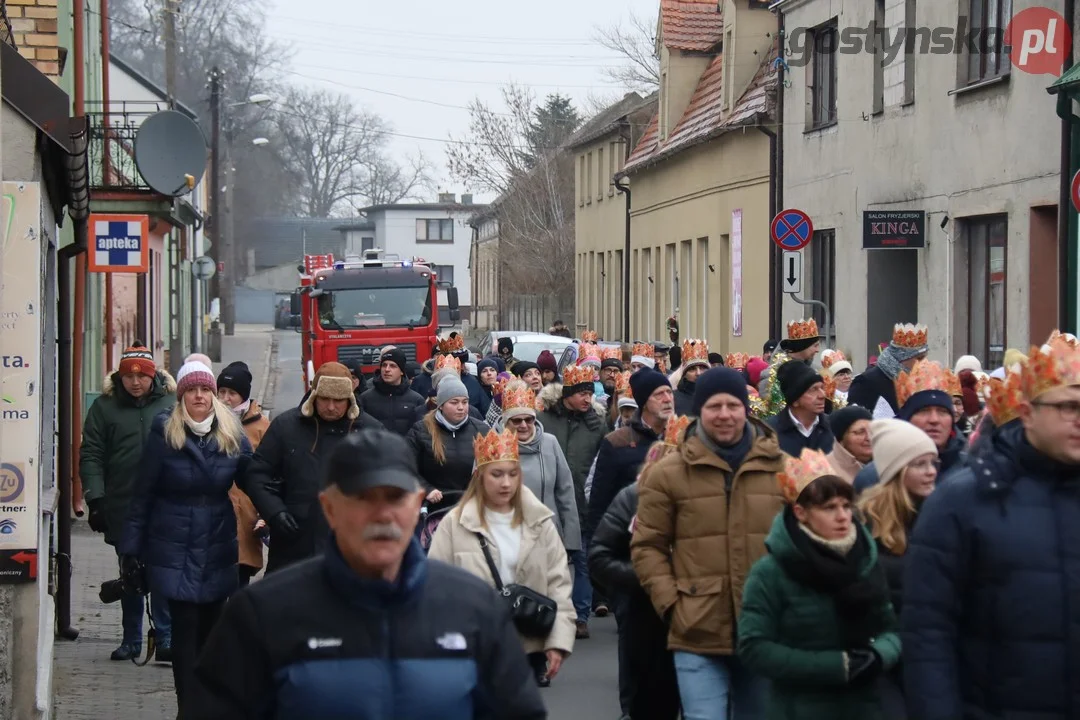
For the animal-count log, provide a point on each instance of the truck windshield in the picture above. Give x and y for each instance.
(375, 307)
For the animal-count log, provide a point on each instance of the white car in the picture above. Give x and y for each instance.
(527, 345)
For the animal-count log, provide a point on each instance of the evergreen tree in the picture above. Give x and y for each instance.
(552, 123)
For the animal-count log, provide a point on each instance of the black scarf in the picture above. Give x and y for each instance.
(858, 599)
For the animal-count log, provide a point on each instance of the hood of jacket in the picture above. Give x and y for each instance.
(551, 400)
(253, 414)
(533, 511)
(766, 447)
(164, 384)
(782, 547)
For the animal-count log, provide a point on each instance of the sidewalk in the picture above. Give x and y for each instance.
(87, 685)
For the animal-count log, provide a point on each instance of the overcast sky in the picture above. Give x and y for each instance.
(434, 57)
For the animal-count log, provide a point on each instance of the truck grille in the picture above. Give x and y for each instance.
(349, 355)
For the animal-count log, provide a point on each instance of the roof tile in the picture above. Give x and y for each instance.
(691, 25)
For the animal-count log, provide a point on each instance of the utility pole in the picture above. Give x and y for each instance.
(228, 261)
(172, 9)
(217, 225)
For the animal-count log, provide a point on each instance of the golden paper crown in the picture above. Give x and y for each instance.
(1005, 399)
(695, 351)
(801, 471)
(952, 384)
(737, 360)
(577, 375)
(830, 386)
(588, 350)
(925, 375)
(802, 329)
(676, 429)
(622, 384)
(447, 361)
(909, 337)
(982, 385)
(516, 395)
(1046, 371)
(500, 385)
(644, 350)
(495, 447)
(452, 344)
(1060, 339)
(831, 356)
(611, 352)
(589, 336)
(661, 365)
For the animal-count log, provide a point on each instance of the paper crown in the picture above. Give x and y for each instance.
(830, 386)
(909, 337)
(517, 395)
(802, 329)
(622, 384)
(952, 384)
(578, 375)
(982, 385)
(589, 336)
(611, 352)
(1046, 371)
(644, 350)
(1060, 339)
(829, 357)
(495, 447)
(695, 351)
(737, 360)
(588, 351)
(500, 386)
(447, 361)
(1005, 399)
(453, 344)
(925, 375)
(801, 471)
(661, 365)
(676, 429)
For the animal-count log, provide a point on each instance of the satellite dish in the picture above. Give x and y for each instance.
(170, 149)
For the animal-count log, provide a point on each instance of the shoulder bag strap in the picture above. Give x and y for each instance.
(490, 561)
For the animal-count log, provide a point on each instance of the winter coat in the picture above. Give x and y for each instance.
(844, 463)
(795, 636)
(181, 523)
(990, 625)
(436, 644)
(487, 398)
(421, 384)
(476, 394)
(286, 476)
(684, 397)
(545, 472)
(579, 436)
(393, 405)
(692, 563)
(621, 455)
(791, 439)
(952, 457)
(542, 565)
(114, 434)
(455, 474)
(255, 425)
(869, 386)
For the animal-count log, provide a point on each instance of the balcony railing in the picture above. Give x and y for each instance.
(112, 146)
(6, 33)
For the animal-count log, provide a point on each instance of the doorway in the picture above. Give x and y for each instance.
(893, 279)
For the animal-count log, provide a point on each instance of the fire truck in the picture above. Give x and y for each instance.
(348, 310)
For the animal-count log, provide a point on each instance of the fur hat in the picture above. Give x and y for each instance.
(333, 381)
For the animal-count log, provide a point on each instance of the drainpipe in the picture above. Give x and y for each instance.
(106, 170)
(65, 363)
(79, 313)
(1066, 225)
(776, 320)
(625, 190)
(774, 300)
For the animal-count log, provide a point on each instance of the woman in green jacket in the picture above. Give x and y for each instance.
(816, 618)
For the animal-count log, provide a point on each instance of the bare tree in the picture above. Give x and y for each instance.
(385, 182)
(634, 39)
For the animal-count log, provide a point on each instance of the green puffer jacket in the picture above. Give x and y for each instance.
(114, 433)
(792, 635)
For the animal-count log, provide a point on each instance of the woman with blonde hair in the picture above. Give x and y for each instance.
(504, 535)
(181, 529)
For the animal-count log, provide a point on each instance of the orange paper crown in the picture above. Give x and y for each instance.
(802, 329)
(661, 365)
(622, 384)
(447, 361)
(1005, 399)
(1046, 371)
(452, 344)
(695, 351)
(801, 471)
(926, 375)
(830, 357)
(982, 385)
(1058, 339)
(644, 350)
(495, 447)
(577, 375)
(909, 337)
(737, 360)
(676, 429)
(830, 386)
(588, 350)
(611, 352)
(516, 396)
(589, 336)
(952, 384)
(500, 385)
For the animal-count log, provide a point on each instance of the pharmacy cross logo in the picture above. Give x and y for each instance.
(1037, 39)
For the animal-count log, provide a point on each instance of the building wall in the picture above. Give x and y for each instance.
(485, 271)
(955, 155)
(681, 222)
(35, 24)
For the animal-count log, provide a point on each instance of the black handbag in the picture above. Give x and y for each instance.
(533, 614)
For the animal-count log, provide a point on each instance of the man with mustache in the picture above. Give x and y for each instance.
(372, 629)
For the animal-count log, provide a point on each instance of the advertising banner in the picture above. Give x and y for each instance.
(736, 273)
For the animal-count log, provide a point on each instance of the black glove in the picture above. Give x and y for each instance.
(864, 666)
(283, 525)
(97, 520)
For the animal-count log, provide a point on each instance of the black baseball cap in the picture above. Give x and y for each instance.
(370, 459)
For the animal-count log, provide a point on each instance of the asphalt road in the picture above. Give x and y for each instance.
(587, 688)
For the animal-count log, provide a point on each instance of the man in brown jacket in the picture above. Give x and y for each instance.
(703, 515)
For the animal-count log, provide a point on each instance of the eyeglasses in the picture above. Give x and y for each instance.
(1068, 410)
(522, 420)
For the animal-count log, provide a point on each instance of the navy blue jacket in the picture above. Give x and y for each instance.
(621, 455)
(793, 442)
(991, 621)
(181, 522)
(318, 642)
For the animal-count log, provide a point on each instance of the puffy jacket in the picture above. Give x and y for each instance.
(579, 436)
(255, 425)
(114, 434)
(793, 635)
(545, 472)
(318, 642)
(286, 476)
(609, 552)
(621, 455)
(684, 397)
(453, 475)
(694, 542)
(952, 457)
(421, 384)
(392, 405)
(990, 625)
(181, 522)
(791, 439)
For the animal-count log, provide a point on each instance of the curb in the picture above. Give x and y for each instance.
(271, 350)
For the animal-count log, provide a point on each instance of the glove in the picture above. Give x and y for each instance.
(284, 525)
(97, 520)
(864, 666)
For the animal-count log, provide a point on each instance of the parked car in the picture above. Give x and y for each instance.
(527, 345)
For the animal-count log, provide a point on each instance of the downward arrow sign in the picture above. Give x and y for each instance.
(791, 271)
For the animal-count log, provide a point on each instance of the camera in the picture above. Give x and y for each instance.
(131, 582)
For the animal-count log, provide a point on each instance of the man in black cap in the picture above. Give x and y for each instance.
(801, 423)
(506, 352)
(321, 639)
(390, 400)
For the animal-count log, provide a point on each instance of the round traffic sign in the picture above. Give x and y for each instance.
(791, 229)
(202, 268)
(1075, 192)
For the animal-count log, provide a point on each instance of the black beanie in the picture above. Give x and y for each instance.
(840, 421)
(795, 378)
(716, 359)
(397, 357)
(612, 363)
(716, 381)
(523, 366)
(506, 345)
(485, 364)
(236, 376)
(644, 383)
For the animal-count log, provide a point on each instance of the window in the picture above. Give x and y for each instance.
(987, 246)
(823, 275)
(880, 39)
(909, 53)
(441, 230)
(987, 20)
(673, 268)
(600, 174)
(703, 292)
(582, 188)
(823, 87)
(444, 273)
(588, 179)
(613, 150)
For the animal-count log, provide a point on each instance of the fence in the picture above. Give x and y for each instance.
(536, 313)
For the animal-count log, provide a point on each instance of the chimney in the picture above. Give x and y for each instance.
(34, 25)
(447, 198)
(466, 198)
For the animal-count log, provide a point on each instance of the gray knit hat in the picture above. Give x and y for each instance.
(450, 388)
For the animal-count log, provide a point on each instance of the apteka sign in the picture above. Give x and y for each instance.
(120, 243)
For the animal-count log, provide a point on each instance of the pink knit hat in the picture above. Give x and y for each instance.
(192, 375)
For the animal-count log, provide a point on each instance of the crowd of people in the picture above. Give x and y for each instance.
(777, 536)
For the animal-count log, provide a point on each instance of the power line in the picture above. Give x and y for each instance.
(502, 39)
(463, 81)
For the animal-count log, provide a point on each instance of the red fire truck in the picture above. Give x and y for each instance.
(348, 310)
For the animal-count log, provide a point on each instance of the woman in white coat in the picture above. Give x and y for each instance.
(521, 535)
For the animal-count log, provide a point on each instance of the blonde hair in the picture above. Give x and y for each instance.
(888, 509)
(228, 433)
(475, 493)
(437, 447)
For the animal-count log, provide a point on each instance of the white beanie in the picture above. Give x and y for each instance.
(642, 360)
(967, 362)
(896, 444)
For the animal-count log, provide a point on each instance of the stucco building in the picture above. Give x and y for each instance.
(484, 269)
